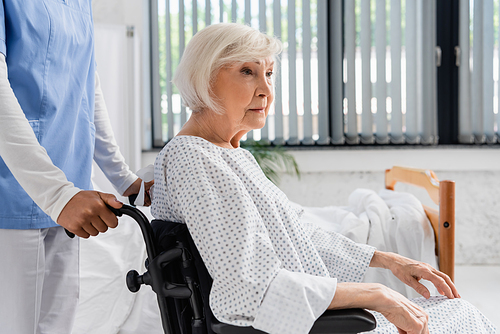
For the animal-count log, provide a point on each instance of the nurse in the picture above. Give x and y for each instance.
(53, 123)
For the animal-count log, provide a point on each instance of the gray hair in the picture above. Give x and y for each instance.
(212, 48)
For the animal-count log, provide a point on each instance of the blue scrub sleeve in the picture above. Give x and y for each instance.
(3, 46)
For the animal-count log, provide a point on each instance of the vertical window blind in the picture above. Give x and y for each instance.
(351, 72)
(478, 61)
(389, 71)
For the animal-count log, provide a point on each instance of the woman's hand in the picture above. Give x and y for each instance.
(411, 272)
(136, 186)
(405, 315)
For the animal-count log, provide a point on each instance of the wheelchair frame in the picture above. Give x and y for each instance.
(191, 293)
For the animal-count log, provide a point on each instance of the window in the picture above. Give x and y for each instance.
(293, 117)
(352, 72)
(478, 66)
(389, 72)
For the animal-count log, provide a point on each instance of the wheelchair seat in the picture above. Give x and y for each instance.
(177, 274)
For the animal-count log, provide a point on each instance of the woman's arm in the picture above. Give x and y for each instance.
(405, 315)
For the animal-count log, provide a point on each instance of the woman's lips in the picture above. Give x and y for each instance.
(258, 110)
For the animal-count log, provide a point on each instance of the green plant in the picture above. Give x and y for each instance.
(272, 159)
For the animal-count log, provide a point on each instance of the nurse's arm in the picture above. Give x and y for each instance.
(107, 153)
(28, 161)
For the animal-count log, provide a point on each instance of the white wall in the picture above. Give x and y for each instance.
(329, 176)
(128, 12)
(131, 13)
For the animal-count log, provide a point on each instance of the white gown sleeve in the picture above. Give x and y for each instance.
(293, 301)
(249, 285)
(107, 153)
(26, 158)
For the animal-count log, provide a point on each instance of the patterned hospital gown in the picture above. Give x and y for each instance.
(265, 264)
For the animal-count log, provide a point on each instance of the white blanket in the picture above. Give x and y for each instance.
(390, 221)
(105, 302)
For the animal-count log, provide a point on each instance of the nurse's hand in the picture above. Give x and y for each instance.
(86, 213)
(136, 186)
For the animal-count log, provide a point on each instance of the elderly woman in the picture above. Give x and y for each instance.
(270, 271)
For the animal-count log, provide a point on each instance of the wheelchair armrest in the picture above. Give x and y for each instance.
(344, 321)
(348, 321)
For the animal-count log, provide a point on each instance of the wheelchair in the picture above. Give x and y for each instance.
(178, 276)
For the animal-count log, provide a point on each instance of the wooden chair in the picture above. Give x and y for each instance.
(443, 220)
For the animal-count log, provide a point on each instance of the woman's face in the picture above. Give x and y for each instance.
(245, 90)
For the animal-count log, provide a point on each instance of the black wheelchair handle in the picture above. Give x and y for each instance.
(143, 222)
(69, 234)
(116, 212)
(144, 225)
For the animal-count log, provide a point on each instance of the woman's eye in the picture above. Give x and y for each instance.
(269, 74)
(246, 71)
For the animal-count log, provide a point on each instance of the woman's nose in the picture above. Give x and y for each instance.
(265, 87)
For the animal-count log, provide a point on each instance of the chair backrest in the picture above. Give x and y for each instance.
(191, 316)
(442, 193)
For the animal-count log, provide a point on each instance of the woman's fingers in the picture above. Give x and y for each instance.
(411, 272)
(405, 315)
(420, 288)
(421, 319)
(419, 313)
(441, 281)
(449, 283)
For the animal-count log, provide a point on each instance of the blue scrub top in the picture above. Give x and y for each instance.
(49, 49)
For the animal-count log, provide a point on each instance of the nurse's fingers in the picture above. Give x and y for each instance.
(99, 225)
(81, 233)
(106, 215)
(87, 208)
(90, 229)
